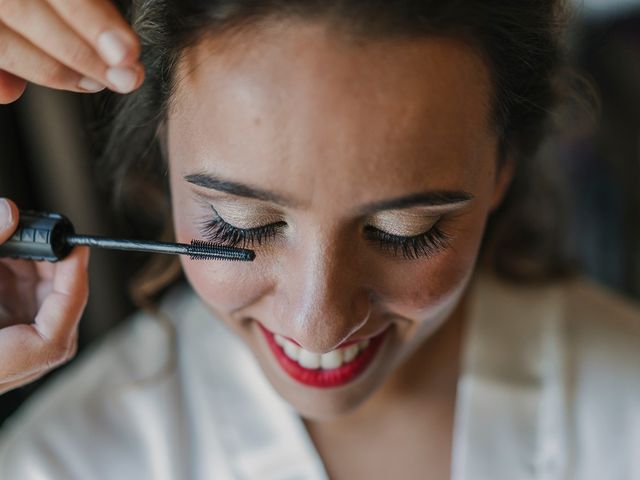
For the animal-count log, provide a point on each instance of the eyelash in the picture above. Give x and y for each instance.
(426, 244)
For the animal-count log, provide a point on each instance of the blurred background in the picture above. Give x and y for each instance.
(47, 153)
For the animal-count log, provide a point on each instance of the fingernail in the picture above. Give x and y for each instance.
(111, 47)
(123, 79)
(6, 215)
(90, 85)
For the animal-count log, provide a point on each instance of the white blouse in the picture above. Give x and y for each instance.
(549, 389)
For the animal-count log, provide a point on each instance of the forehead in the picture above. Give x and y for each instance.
(298, 100)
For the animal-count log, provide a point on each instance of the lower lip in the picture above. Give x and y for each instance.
(325, 378)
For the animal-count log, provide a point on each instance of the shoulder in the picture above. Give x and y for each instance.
(580, 308)
(87, 415)
(601, 333)
(574, 330)
(593, 305)
(558, 365)
(601, 338)
(600, 329)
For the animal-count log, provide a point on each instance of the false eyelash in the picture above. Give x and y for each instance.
(425, 244)
(218, 231)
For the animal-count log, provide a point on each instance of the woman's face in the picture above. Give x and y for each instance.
(325, 151)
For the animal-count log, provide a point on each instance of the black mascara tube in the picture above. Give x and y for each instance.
(51, 236)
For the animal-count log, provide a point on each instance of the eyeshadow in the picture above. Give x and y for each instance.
(405, 223)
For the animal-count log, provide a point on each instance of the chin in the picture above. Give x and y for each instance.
(324, 404)
(330, 404)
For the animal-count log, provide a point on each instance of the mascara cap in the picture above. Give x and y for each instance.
(39, 236)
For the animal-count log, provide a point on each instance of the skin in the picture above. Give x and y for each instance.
(81, 46)
(334, 123)
(58, 44)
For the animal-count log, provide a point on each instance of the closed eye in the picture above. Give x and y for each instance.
(426, 244)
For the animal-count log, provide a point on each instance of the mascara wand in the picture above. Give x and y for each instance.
(51, 236)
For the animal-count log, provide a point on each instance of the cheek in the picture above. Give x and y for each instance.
(222, 284)
(427, 288)
(425, 291)
(219, 287)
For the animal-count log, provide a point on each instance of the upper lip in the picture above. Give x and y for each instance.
(343, 344)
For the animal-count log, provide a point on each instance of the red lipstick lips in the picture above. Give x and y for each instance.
(321, 378)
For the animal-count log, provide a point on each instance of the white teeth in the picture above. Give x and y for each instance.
(332, 359)
(292, 350)
(350, 352)
(308, 359)
(327, 361)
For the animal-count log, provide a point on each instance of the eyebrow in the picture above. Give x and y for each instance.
(213, 182)
(433, 198)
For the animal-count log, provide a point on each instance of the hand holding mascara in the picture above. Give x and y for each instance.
(51, 236)
(41, 303)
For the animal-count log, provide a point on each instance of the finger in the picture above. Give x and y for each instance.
(11, 88)
(8, 219)
(21, 58)
(61, 310)
(37, 22)
(24, 353)
(102, 26)
(43, 289)
(45, 270)
(18, 302)
(28, 350)
(8, 386)
(24, 271)
(73, 343)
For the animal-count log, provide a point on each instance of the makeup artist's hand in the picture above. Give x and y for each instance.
(40, 307)
(76, 45)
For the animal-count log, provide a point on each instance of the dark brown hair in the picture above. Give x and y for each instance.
(521, 41)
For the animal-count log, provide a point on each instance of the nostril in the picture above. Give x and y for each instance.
(344, 344)
(325, 338)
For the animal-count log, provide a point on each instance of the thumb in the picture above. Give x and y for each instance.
(11, 87)
(8, 219)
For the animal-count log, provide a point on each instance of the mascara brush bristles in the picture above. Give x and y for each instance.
(201, 250)
(203, 256)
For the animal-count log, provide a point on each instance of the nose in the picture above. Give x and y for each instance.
(327, 300)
